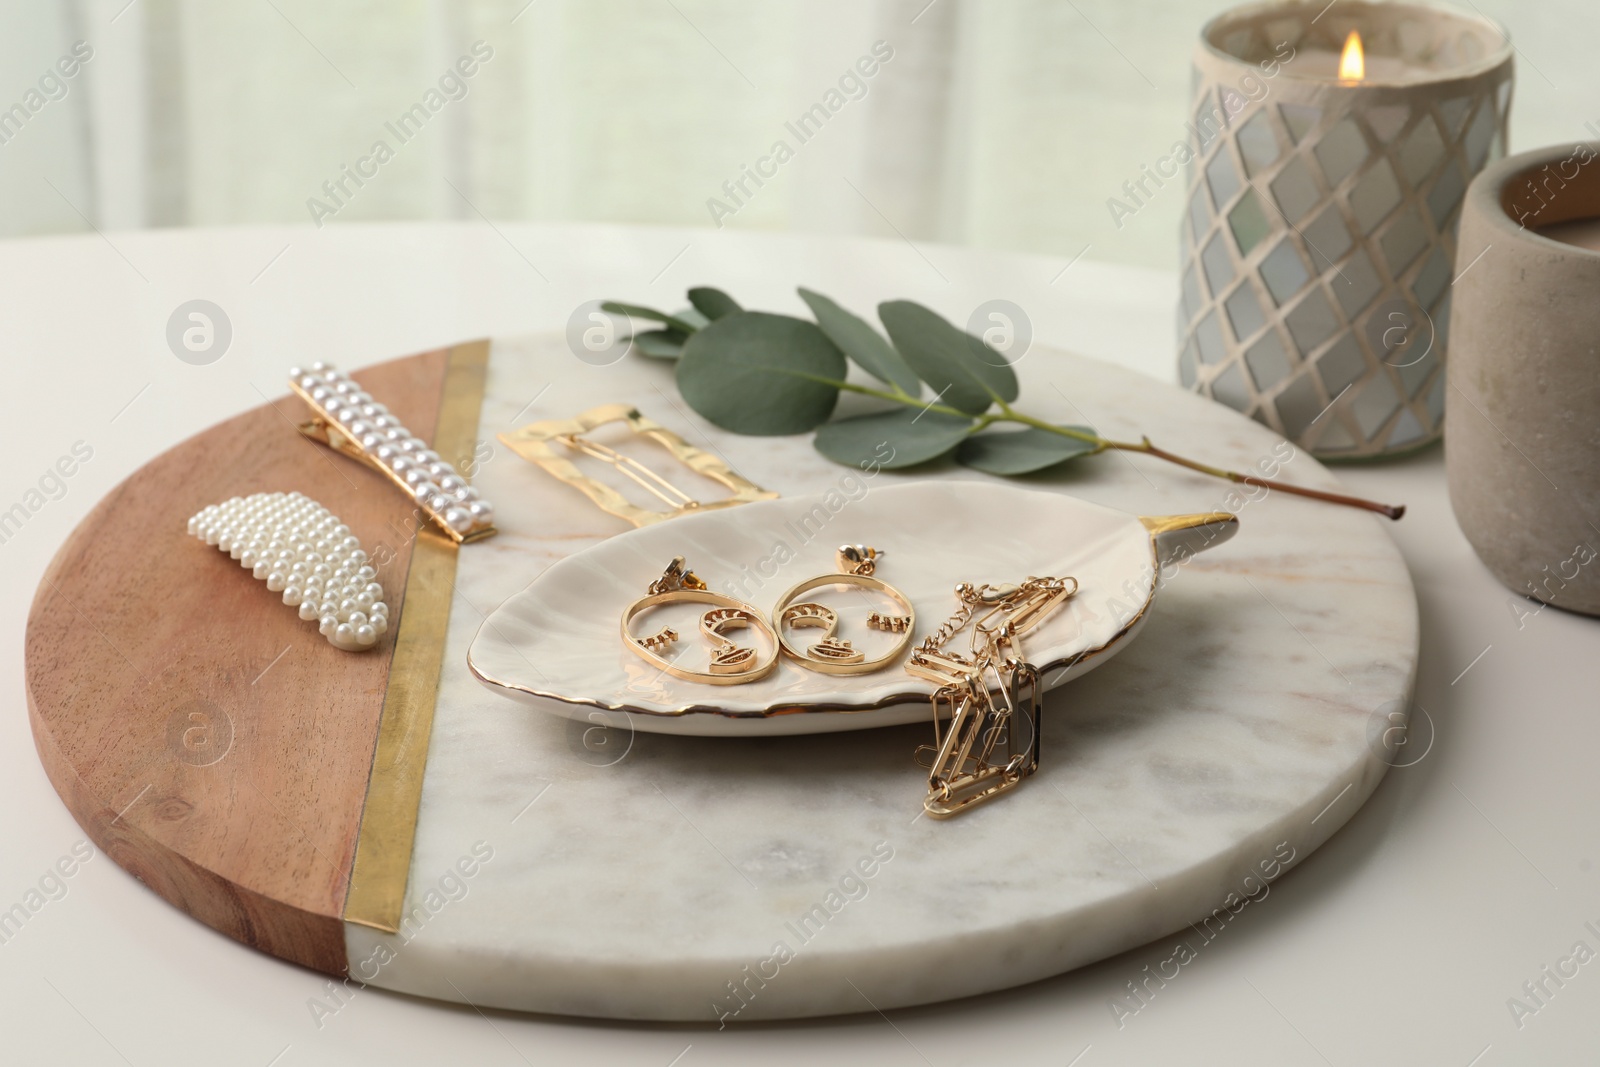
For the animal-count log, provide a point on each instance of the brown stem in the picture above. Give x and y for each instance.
(1389, 511)
(1009, 414)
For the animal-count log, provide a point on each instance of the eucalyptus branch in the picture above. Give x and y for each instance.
(728, 355)
(1143, 445)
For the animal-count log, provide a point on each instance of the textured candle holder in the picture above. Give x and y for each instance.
(1319, 234)
(1524, 380)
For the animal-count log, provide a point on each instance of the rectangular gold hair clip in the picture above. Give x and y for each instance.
(347, 419)
(537, 443)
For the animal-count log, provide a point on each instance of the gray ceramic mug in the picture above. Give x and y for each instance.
(1523, 402)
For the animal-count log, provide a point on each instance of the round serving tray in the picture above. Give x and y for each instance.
(212, 743)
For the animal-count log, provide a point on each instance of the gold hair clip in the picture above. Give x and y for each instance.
(347, 419)
(536, 443)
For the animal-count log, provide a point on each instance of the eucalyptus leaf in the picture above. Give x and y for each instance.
(693, 317)
(862, 343)
(713, 303)
(892, 439)
(966, 373)
(672, 322)
(757, 373)
(660, 344)
(1032, 449)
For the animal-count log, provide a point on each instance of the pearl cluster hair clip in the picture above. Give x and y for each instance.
(348, 419)
(303, 551)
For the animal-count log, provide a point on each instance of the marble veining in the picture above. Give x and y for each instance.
(635, 875)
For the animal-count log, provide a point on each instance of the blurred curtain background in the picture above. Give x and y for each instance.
(1005, 123)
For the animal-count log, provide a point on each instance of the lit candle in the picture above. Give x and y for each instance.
(1353, 60)
(1354, 64)
(1331, 146)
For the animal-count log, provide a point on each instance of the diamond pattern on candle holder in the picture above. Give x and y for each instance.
(1303, 222)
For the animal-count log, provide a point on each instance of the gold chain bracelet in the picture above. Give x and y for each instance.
(976, 757)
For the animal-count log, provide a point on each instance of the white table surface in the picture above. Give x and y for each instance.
(1399, 941)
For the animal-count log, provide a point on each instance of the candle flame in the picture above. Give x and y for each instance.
(1352, 61)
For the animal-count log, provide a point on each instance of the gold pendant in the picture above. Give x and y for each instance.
(729, 664)
(832, 654)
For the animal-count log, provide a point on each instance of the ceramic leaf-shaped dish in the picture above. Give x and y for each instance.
(556, 645)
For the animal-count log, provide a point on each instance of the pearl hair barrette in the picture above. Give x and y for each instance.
(303, 551)
(348, 419)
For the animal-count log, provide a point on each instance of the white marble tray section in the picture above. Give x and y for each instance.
(662, 877)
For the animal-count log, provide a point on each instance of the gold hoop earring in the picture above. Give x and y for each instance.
(829, 654)
(730, 664)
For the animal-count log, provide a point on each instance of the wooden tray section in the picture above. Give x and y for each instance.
(203, 735)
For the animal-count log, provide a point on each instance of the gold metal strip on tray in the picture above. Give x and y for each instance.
(394, 789)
